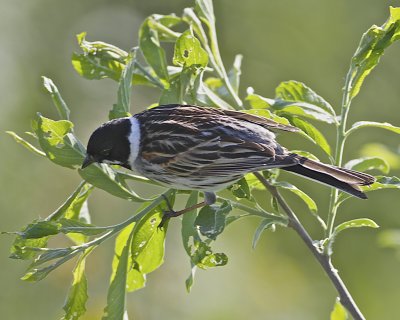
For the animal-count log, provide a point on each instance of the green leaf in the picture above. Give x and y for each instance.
(115, 308)
(71, 208)
(40, 229)
(312, 206)
(364, 124)
(389, 154)
(298, 92)
(383, 182)
(21, 247)
(122, 107)
(211, 219)
(190, 234)
(149, 241)
(188, 231)
(75, 305)
(188, 51)
(204, 258)
(312, 133)
(338, 312)
(240, 189)
(104, 177)
(268, 114)
(235, 72)
(59, 103)
(151, 48)
(48, 254)
(368, 163)
(163, 25)
(58, 142)
(265, 224)
(99, 59)
(356, 223)
(26, 144)
(372, 46)
(294, 108)
(183, 87)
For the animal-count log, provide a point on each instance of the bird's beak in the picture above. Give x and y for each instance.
(88, 161)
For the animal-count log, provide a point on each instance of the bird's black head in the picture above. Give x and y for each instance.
(109, 144)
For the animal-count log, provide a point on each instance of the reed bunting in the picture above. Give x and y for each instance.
(197, 148)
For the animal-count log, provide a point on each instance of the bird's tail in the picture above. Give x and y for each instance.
(343, 179)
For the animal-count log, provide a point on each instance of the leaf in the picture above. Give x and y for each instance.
(298, 92)
(265, 224)
(100, 60)
(338, 312)
(115, 307)
(104, 177)
(58, 142)
(240, 189)
(26, 144)
(150, 46)
(312, 206)
(389, 154)
(211, 219)
(148, 241)
(48, 254)
(364, 124)
(163, 25)
(123, 105)
(40, 229)
(183, 87)
(190, 234)
(312, 133)
(204, 258)
(20, 248)
(383, 182)
(188, 230)
(356, 223)
(75, 305)
(368, 163)
(59, 103)
(188, 51)
(294, 108)
(372, 46)
(235, 73)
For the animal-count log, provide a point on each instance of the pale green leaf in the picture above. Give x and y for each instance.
(75, 305)
(368, 163)
(383, 182)
(59, 103)
(188, 51)
(298, 92)
(338, 312)
(115, 308)
(372, 46)
(58, 142)
(26, 144)
(356, 223)
(150, 46)
(211, 219)
(265, 224)
(312, 133)
(123, 105)
(365, 124)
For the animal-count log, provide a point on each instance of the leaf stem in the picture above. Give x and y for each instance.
(345, 297)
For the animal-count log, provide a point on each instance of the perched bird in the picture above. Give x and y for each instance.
(197, 148)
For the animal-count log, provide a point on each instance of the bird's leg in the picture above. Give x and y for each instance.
(209, 199)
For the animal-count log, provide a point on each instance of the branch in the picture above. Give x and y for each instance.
(345, 297)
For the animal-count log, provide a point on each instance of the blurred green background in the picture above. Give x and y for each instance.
(310, 41)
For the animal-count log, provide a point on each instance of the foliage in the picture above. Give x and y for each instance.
(195, 75)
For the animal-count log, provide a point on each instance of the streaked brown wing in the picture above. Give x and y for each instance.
(264, 122)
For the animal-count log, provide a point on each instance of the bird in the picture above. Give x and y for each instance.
(188, 147)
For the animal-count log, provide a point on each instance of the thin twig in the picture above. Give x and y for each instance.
(345, 297)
